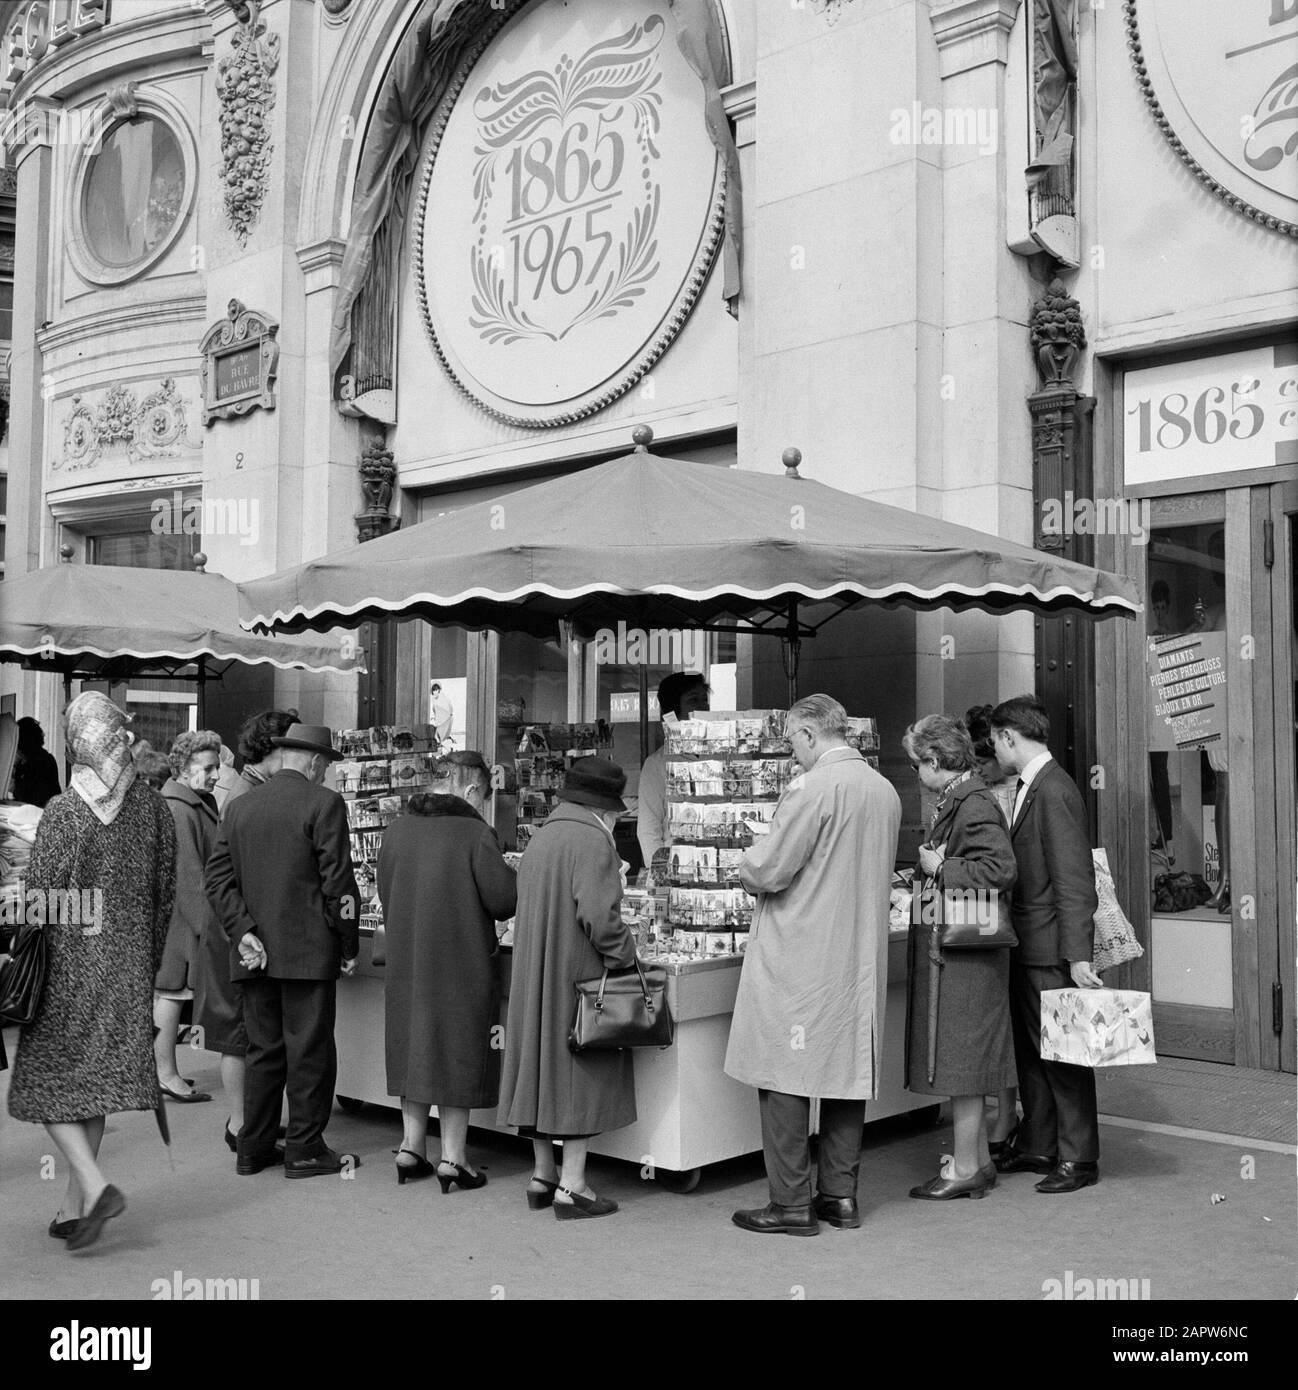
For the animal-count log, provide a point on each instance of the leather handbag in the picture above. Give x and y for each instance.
(379, 946)
(974, 920)
(623, 1008)
(22, 977)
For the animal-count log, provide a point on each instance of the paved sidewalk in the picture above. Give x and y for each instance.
(1152, 1217)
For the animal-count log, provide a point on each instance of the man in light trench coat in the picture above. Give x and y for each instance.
(809, 1014)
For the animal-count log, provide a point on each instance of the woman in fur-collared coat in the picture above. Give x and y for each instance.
(443, 883)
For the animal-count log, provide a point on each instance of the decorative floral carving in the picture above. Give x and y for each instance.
(246, 88)
(378, 478)
(153, 428)
(1057, 334)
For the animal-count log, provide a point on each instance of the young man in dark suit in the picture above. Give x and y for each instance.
(1053, 910)
(280, 880)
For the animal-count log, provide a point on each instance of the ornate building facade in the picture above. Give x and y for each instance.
(328, 267)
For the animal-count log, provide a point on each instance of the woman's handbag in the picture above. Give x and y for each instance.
(22, 977)
(1115, 938)
(972, 919)
(379, 946)
(625, 1008)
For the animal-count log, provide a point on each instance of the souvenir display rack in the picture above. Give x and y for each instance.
(543, 754)
(725, 773)
(381, 769)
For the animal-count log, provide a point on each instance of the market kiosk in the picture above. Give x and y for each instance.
(725, 773)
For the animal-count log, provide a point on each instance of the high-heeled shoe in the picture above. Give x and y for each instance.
(462, 1176)
(988, 1170)
(412, 1172)
(231, 1140)
(998, 1146)
(538, 1201)
(581, 1206)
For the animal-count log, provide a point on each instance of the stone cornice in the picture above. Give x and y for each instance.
(124, 316)
(320, 262)
(740, 102)
(973, 33)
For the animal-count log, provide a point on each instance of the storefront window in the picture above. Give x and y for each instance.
(134, 190)
(144, 549)
(1188, 774)
(531, 688)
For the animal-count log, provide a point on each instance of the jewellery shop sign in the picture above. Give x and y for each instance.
(569, 208)
(1187, 681)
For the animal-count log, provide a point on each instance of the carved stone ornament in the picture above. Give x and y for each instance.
(1057, 335)
(336, 7)
(831, 9)
(245, 84)
(119, 422)
(378, 478)
(240, 362)
(122, 105)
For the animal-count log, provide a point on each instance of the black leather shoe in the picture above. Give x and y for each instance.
(322, 1164)
(838, 1211)
(779, 1221)
(1068, 1176)
(248, 1165)
(1011, 1161)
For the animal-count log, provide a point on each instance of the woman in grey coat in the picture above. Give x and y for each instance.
(568, 928)
(195, 762)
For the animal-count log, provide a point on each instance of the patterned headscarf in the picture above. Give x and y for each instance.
(102, 766)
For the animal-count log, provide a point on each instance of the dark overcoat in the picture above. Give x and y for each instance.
(974, 1052)
(1054, 900)
(191, 914)
(443, 883)
(89, 1050)
(282, 869)
(568, 928)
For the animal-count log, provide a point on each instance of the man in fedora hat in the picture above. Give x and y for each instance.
(281, 883)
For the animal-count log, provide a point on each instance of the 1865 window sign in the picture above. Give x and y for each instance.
(569, 210)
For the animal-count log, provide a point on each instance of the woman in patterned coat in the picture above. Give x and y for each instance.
(105, 855)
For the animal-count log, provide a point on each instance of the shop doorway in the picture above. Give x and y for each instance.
(1220, 774)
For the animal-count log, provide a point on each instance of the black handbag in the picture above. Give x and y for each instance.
(967, 926)
(22, 977)
(623, 1008)
(379, 946)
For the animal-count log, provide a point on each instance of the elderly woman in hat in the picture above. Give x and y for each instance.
(104, 863)
(568, 928)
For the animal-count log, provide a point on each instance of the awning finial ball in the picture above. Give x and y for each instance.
(642, 437)
(791, 458)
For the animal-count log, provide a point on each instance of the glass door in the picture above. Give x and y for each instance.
(1189, 777)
